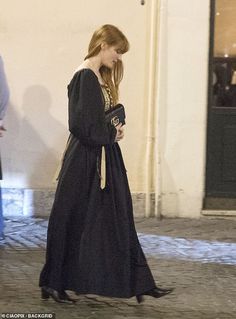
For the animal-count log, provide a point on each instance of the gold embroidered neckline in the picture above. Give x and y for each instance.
(107, 97)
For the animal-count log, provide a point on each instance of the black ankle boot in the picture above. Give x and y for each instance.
(155, 292)
(158, 292)
(60, 297)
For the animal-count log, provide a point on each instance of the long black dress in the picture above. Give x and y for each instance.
(92, 245)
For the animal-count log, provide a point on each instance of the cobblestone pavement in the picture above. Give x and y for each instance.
(197, 257)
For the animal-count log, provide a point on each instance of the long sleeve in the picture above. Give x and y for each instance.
(86, 111)
(4, 92)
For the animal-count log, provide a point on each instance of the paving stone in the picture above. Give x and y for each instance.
(197, 257)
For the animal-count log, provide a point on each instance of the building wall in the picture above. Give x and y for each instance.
(42, 43)
(183, 108)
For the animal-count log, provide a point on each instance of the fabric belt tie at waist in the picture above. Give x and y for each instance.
(102, 175)
(103, 169)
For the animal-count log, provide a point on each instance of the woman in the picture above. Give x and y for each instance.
(92, 245)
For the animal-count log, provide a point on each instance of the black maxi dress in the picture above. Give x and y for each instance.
(92, 245)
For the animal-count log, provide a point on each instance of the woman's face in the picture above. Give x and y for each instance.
(110, 55)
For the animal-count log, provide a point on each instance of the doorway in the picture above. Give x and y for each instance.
(221, 134)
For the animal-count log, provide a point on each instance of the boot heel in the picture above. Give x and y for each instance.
(44, 294)
(139, 298)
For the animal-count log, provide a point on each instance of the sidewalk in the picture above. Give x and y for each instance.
(197, 257)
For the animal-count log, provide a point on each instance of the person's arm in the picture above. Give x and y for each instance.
(86, 111)
(4, 92)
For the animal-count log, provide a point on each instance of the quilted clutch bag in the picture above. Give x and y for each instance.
(115, 115)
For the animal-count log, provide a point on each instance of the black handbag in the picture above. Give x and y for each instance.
(115, 115)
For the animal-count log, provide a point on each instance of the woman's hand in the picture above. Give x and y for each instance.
(119, 132)
(2, 128)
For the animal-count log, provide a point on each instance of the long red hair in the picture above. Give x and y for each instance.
(112, 36)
